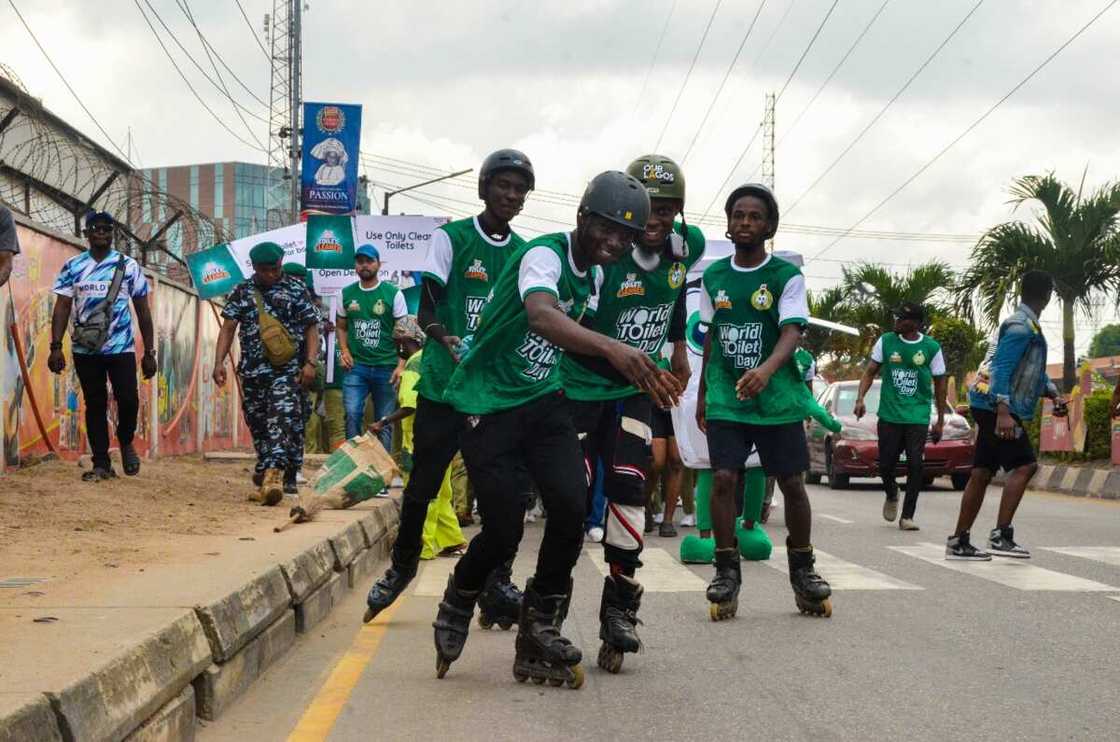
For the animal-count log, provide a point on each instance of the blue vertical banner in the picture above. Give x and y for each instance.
(329, 177)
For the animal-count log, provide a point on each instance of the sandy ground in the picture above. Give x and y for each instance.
(54, 525)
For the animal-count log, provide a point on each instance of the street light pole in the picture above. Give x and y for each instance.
(385, 208)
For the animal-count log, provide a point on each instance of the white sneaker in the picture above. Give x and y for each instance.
(688, 521)
(595, 535)
(300, 479)
(658, 517)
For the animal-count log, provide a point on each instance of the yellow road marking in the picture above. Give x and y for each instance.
(319, 718)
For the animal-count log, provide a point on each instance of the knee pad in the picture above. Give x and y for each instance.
(696, 550)
(624, 526)
(754, 543)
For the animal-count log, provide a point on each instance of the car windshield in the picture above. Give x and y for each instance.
(846, 399)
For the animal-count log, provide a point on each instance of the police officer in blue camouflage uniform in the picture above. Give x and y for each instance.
(272, 396)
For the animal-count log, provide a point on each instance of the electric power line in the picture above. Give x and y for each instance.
(191, 87)
(889, 103)
(754, 136)
(968, 129)
(190, 17)
(253, 31)
(680, 92)
(66, 82)
(653, 59)
(723, 82)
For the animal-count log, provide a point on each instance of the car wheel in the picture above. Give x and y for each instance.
(959, 481)
(928, 481)
(835, 481)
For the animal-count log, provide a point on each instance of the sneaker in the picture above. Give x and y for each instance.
(130, 460)
(890, 509)
(300, 479)
(960, 549)
(649, 523)
(907, 524)
(595, 535)
(383, 493)
(658, 518)
(688, 521)
(1002, 543)
(667, 530)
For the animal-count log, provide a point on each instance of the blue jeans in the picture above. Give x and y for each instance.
(360, 382)
(597, 505)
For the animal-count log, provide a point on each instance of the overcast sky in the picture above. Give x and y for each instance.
(577, 85)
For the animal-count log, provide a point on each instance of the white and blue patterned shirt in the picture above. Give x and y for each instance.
(87, 282)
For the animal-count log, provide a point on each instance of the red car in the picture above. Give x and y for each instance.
(854, 451)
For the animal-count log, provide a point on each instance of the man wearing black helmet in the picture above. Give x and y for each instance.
(464, 262)
(752, 396)
(510, 385)
(640, 302)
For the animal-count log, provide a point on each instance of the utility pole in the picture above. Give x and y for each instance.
(296, 92)
(283, 32)
(768, 142)
(385, 209)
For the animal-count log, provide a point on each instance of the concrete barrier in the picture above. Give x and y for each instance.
(118, 697)
(374, 527)
(172, 723)
(26, 716)
(321, 602)
(347, 544)
(220, 685)
(308, 571)
(234, 620)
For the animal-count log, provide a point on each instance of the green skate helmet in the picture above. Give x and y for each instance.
(760, 191)
(617, 197)
(505, 159)
(660, 175)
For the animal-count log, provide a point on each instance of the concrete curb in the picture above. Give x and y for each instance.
(1080, 481)
(201, 662)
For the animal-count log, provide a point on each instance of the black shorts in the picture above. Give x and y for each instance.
(661, 422)
(781, 448)
(993, 452)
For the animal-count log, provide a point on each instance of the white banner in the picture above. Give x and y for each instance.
(292, 238)
(402, 241)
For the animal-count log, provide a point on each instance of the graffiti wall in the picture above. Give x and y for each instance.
(190, 413)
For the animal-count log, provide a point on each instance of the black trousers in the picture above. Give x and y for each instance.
(894, 438)
(618, 433)
(537, 438)
(118, 369)
(437, 429)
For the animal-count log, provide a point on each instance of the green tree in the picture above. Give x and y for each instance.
(930, 284)
(962, 345)
(1106, 342)
(1074, 239)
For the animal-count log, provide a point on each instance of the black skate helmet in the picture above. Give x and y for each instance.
(617, 197)
(760, 191)
(505, 159)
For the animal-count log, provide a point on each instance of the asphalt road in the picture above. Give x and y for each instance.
(915, 650)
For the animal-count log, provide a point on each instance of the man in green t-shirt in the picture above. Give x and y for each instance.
(367, 313)
(639, 301)
(510, 385)
(464, 261)
(752, 396)
(913, 373)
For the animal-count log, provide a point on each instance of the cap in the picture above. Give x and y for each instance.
(368, 251)
(93, 217)
(266, 253)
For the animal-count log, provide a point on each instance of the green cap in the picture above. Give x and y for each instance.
(661, 176)
(295, 269)
(266, 253)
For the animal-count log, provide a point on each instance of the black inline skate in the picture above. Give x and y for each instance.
(453, 620)
(542, 653)
(387, 589)
(618, 620)
(809, 589)
(723, 593)
(500, 601)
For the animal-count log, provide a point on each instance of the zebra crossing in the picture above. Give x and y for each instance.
(663, 572)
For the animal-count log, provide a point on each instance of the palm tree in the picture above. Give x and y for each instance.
(929, 284)
(1075, 239)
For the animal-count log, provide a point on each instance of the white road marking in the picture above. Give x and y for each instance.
(842, 575)
(433, 577)
(1107, 554)
(835, 519)
(1015, 573)
(660, 573)
(1114, 597)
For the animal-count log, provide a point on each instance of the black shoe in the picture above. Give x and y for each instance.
(649, 523)
(99, 473)
(959, 548)
(1001, 542)
(130, 460)
(667, 530)
(290, 487)
(258, 478)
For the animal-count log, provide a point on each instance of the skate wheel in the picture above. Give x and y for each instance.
(555, 682)
(520, 676)
(442, 666)
(610, 659)
(821, 610)
(576, 681)
(723, 611)
(369, 615)
(538, 680)
(483, 622)
(826, 608)
(506, 626)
